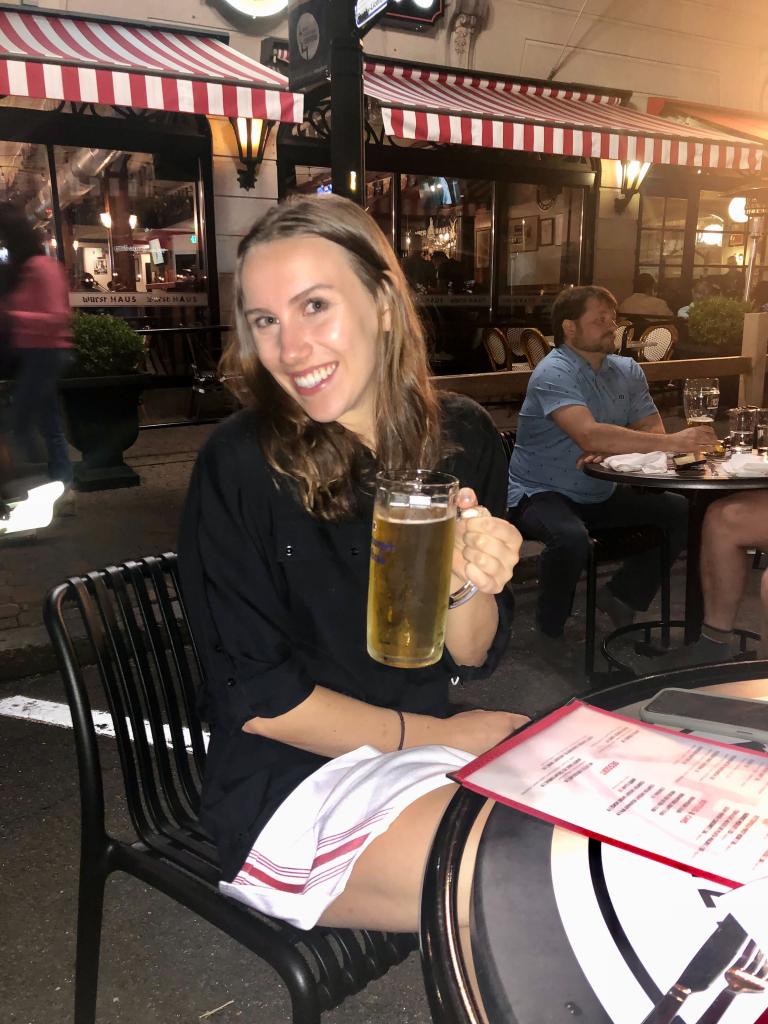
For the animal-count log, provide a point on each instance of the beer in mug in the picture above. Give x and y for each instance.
(414, 522)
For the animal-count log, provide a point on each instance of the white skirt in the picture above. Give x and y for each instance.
(303, 856)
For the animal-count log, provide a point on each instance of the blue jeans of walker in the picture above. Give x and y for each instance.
(563, 527)
(35, 407)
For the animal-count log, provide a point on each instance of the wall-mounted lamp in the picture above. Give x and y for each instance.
(75, 245)
(133, 220)
(251, 134)
(106, 219)
(633, 173)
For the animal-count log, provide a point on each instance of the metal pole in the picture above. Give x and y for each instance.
(756, 232)
(347, 107)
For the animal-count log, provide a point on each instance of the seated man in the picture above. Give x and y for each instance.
(644, 301)
(732, 525)
(583, 399)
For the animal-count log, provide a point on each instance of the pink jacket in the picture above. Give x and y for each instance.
(39, 306)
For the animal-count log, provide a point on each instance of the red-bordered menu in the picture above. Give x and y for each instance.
(689, 802)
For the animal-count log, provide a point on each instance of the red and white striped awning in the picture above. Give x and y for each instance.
(128, 64)
(437, 106)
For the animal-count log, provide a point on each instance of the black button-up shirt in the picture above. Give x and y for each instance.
(277, 602)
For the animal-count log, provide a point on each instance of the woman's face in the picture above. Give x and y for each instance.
(316, 328)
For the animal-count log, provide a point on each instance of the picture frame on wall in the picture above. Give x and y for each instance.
(546, 231)
(524, 234)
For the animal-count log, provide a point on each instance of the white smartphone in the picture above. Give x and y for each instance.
(736, 718)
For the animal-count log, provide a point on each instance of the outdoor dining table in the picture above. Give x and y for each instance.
(565, 928)
(700, 489)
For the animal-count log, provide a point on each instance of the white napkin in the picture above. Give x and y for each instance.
(743, 464)
(651, 463)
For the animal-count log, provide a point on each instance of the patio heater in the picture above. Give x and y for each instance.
(756, 209)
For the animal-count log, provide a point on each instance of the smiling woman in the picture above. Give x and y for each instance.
(311, 738)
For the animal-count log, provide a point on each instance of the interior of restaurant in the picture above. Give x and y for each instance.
(126, 221)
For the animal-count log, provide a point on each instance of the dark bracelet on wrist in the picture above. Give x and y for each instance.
(402, 728)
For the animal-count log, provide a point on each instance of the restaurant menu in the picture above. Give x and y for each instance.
(684, 800)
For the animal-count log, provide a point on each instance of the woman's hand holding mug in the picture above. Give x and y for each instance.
(486, 548)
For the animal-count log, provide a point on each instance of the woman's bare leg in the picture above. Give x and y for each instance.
(384, 889)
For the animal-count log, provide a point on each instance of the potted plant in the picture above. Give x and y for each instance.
(715, 328)
(101, 399)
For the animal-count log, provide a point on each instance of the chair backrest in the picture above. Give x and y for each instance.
(495, 343)
(514, 341)
(136, 632)
(535, 344)
(657, 343)
(623, 334)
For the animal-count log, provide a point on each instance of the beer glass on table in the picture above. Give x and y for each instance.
(414, 521)
(701, 397)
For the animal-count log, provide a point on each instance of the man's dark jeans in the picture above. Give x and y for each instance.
(563, 527)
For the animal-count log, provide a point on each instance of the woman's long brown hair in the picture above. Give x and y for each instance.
(324, 459)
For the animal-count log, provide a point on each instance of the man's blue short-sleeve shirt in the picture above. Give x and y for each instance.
(544, 456)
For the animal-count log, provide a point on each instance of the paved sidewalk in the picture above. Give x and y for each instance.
(108, 527)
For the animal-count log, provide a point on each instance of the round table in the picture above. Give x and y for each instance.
(565, 928)
(700, 489)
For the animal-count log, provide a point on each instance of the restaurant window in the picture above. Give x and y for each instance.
(445, 239)
(130, 230)
(541, 246)
(25, 180)
(661, 239)
(378, 191)
(721, 244)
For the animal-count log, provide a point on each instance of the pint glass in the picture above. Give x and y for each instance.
(414, 520)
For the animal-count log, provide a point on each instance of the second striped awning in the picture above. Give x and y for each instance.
(47, 55)
(437, 106)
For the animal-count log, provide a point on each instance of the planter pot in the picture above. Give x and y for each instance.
(102, 418)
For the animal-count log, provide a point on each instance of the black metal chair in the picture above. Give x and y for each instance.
(137, 635)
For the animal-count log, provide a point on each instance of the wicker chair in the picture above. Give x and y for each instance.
(657, 343)
(514, 336)
(495, 343)
(535, 344)
(623, 336)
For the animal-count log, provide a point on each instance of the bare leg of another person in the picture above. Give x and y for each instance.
(731, 526)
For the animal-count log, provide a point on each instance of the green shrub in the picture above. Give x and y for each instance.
(717, 321)
(105, 346)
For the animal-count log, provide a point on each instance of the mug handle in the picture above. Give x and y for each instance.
(467, 590)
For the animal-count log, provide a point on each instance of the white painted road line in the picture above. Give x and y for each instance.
(48, 712)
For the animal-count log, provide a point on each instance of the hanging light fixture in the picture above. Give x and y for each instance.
(251, 134)
(737, 210)
(133, 220)
(633, 174)
(106, 219)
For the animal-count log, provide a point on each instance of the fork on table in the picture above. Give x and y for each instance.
(747, 974)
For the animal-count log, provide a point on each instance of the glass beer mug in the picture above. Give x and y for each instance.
(414, 521)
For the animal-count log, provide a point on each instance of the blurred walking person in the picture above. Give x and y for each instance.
(34, 298)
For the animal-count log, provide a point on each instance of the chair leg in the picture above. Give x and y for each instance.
(589, 644)
(90, 911)
(666, 569)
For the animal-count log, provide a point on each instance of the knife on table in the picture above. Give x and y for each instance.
(712, 959)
